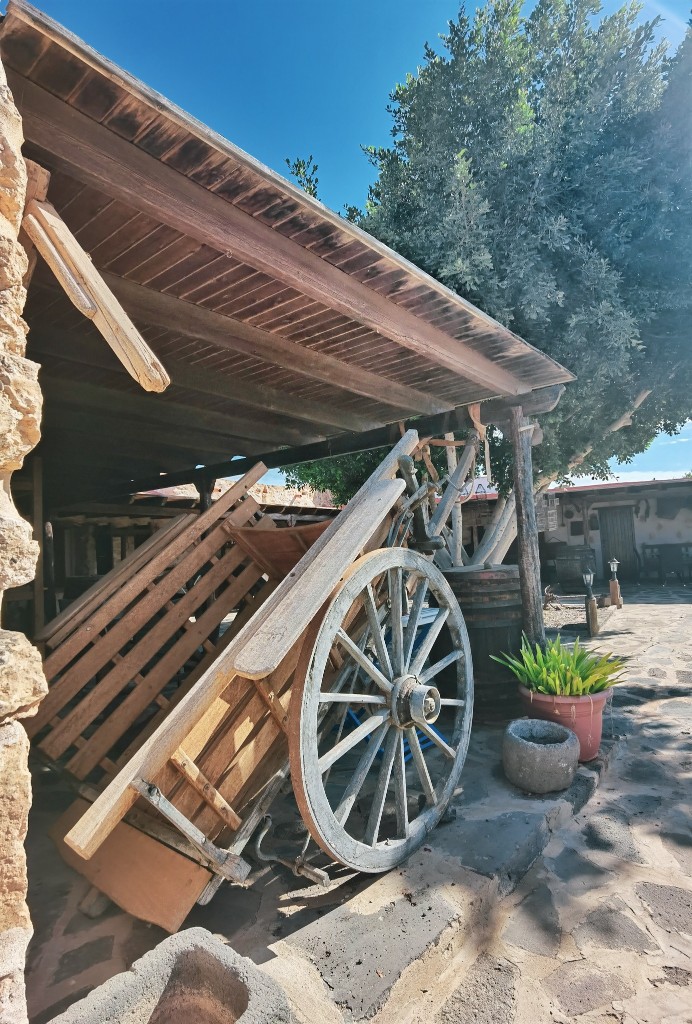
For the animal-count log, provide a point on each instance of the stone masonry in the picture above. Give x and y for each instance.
(22, 684)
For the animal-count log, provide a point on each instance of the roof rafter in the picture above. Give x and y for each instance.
(97, 156)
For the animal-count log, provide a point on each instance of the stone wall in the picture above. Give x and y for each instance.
(22, 684)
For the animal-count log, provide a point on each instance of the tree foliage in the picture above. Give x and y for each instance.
(542, 168)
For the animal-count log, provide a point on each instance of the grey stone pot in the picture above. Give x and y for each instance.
(539, 757)
(189, 978)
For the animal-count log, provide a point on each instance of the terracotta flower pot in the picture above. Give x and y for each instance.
(583, 715)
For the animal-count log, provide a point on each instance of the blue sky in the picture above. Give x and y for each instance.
(284, 79)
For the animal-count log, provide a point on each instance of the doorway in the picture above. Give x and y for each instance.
(617, 541)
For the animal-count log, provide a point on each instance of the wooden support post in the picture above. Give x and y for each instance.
(527, 531)
(451, 454)
(37, 515)
(206, 489)
(592, 615)
(51, 604)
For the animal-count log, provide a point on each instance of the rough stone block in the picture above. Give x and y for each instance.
(608, 928)
(669, 905)
(488, 995)
(580, 988)
(539, 757)
(360, 956)
(503, 847)
(535, 925)
(188, 977)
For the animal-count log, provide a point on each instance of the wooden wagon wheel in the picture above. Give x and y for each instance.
(380, 723)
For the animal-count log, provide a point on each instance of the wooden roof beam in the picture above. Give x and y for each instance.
(175, 314)
(167, 413)
(65, 425)
(84, 149)
(64, 345)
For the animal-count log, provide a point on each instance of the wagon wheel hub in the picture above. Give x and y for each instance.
(413, 703)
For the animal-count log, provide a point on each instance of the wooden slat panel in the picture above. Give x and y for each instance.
(143, 694)
(129, 591)
(80, 609)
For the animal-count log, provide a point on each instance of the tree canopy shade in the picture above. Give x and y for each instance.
(542, 168)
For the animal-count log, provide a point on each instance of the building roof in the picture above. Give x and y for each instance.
(279, 322)
(623, 487)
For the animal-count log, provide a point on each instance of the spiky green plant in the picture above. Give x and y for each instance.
(562, 672)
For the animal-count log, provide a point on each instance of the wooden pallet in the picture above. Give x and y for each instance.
(127, 651)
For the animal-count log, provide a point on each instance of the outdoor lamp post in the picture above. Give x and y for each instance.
(615, 595)
(590, 605)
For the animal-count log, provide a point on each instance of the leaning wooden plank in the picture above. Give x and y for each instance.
(139, 699)
(294, 602)
(130, 665)
(55, 631)
(87, 290)
(140, 874)
(64, 654)
(106, 647)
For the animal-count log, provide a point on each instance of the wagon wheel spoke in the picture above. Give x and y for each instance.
(396, 596)
(376, 630)
(359, 776)
(362, 659)
(352, 740)
(400, 791)
(427, 643)
(414, 620)
(352, 698)
(374, 819)
(439, 666)
(421, 766)
(435, 738)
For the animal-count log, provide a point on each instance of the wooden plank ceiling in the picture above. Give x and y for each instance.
(278, 322)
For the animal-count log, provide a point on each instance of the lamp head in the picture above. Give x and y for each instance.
(587, 576)
(613, 563)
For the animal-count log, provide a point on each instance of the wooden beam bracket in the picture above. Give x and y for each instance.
(87, 290)
(230, 865)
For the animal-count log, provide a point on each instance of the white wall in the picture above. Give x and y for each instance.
(649, 527)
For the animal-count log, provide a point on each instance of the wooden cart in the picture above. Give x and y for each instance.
(353, 670)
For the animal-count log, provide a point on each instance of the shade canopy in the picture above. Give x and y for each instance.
(279, 323)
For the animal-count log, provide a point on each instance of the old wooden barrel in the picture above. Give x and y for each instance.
(490, 600)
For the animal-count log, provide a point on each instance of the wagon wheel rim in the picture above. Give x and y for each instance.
(376, 743)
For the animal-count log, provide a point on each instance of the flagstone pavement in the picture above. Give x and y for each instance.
(600, 929)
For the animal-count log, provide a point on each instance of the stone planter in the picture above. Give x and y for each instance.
(539, 756)
(189, 978)
(583, 715)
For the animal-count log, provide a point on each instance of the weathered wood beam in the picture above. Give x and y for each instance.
(87, 290)
(98, 157)
(46, 343)
(520, 429)
(132, 437)
(175, 314)
(165, 412)
(498, 410)
(348, 444)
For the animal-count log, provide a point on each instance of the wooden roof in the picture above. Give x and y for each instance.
(279, 322)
